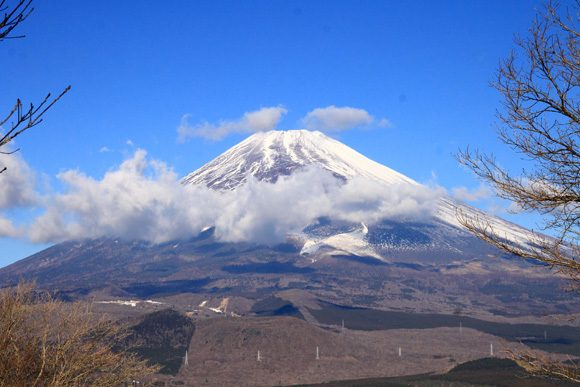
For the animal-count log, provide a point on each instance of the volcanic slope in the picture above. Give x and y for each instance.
(420, 264)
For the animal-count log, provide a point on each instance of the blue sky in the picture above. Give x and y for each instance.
(137, 68)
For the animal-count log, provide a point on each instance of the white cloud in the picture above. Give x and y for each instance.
(503, 207)
(143, 199)
(16, 182)
(384, 123)
(362, 200)
(334, 118)
(264, 212)
(7, 228)
(104, 149)
(265, 119)
(17, 189)
(482, 192)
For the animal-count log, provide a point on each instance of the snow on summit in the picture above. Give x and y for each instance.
(268, 155)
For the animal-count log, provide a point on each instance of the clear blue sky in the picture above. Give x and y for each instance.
(138, 67)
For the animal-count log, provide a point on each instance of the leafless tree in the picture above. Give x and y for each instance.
(19, 119)
(48, 342)
(540, 87)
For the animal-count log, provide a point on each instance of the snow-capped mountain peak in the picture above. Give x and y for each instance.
(268, 155)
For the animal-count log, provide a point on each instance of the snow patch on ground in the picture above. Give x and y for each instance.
(132, 303)
(352, 243)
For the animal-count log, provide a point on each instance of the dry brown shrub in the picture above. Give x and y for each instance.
(48, 342)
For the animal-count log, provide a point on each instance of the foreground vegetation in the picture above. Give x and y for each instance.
(47, 342)
(161, 338)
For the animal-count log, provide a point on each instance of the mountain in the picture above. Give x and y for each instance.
(267, 156)
(428, 263)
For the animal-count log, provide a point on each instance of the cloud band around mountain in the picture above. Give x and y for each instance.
(144, 199)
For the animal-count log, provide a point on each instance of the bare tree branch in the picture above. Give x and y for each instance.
(21, 119)
(13, 17)
(28, 119)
